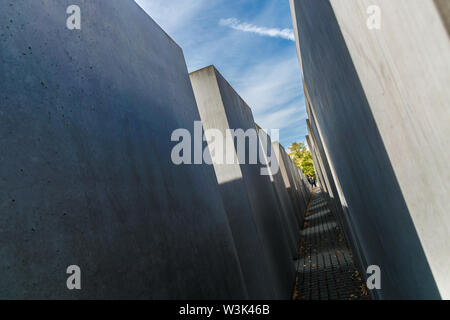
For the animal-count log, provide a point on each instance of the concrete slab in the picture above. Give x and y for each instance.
(86, 118)
(221, 108)
(290, 181)
(334, 194)
(380, 98)
(290, 223)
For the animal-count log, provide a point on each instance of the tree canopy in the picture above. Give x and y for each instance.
(302, 158)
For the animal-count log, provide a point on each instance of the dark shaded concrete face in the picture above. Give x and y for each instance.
(287, 213)
(299, 206)
(261, 196)
(249, 197)
(258, 277)
(381, 219)
(443, 7)
(332, 195)
(86, 176)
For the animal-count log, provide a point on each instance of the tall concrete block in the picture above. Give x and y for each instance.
(299, 184)
(290, 181)
(247, 194)
(86, 174)
(324, 166)
(333, 190)
(380, 99)
(291, 227)
(305, 186)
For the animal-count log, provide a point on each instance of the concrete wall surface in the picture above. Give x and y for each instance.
(299, 185)
(290, 223)
(221, 108)
(381, 100)
(304, 185)
(289, 178)
(86, 175)
(333, 190)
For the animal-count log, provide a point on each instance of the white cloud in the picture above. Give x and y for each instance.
(272, 88)
(265, 73)
(263, 31)
(282, 118)
(270, 83)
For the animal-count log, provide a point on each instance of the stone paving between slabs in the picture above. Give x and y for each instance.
(326, 269)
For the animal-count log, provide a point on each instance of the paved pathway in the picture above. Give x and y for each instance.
(326, 269)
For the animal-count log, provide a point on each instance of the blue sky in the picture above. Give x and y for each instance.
(251, 44)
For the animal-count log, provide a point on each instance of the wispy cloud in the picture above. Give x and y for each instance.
(263, 31)
(281, 119)
(264, 73)
(272, 82)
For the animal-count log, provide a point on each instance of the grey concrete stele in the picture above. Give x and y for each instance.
(378, 102)
(290, 181)
(291, 225)
(86, 176)
(249, 197)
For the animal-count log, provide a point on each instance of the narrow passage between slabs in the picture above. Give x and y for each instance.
(325, 269)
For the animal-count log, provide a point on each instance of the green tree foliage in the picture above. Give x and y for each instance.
(302, 158)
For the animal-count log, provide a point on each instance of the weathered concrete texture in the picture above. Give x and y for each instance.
(222, 109)
(380, 101)
(290, 181)
(86, 175)
(291, 226)
(300, 184)
(332, 188)
(443, 7)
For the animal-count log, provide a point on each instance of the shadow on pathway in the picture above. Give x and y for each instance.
(326, 270)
